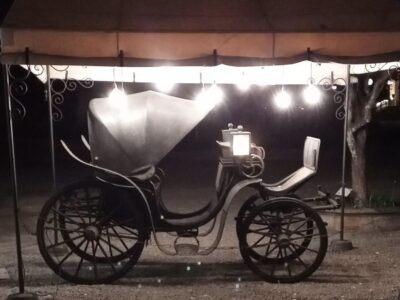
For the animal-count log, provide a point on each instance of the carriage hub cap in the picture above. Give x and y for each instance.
(91, 233)
(283, 241)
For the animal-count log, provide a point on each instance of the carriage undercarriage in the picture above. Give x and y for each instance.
(94, 231)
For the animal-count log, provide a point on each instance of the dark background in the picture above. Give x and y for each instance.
(282, 133)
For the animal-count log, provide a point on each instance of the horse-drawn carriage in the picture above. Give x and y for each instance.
(104, 223)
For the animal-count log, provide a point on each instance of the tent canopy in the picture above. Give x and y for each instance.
(180, 32)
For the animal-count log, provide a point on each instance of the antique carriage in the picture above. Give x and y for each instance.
(94, 231)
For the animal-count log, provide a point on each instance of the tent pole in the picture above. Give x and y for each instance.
(346, 109)
(14, 185)
(342, 244)
(52, 151)
(51, 128)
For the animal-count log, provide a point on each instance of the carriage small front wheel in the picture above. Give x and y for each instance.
(246, 209)
(283, 240)
(89, 233)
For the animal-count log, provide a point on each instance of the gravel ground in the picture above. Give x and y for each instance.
(370, 271)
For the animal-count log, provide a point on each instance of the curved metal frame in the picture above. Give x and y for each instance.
(223, 213)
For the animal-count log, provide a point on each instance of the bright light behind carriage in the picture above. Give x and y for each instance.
(243, 83)
(117, 97)
(210, 97)
(312, 94)
(165, 85)
(163, 80)
(241, 144)
(283, 100)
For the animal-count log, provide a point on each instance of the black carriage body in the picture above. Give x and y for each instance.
(228, 174)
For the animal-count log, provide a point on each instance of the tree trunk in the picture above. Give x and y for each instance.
(362, 99)
(358, 169)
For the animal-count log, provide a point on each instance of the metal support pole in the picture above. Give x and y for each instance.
(13, 171)
(342, 244)
(14, 186)
(346, 109)
(51, 129)
(49, 99)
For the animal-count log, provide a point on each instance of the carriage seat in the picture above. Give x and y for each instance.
(294, 181)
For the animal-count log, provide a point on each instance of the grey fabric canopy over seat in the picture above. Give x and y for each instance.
(291, 183)
(134, 134)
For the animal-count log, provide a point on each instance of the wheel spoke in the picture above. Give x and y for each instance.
(79, 215)
(123, 236)
(112, 246)
(299, 232)
(122, 241)
(271, 250)
(94, 250)
(109, 242)
(257, 242)
(307, 236)
(275, 262)
(287, 263)
(65, 216)
(259, 231)
(78, 268)
(106, 256)
(69, 254)
(63, 229)
(269, 246)
(303, 223)
(298, 257)
(303, 247)
(65, 241)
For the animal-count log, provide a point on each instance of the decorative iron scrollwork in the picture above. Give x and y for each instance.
(338, 87)
(17, 88)
(60, 86)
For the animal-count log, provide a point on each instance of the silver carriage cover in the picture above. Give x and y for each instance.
(140, 131)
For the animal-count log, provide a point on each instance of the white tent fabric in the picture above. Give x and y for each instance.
(299, 73)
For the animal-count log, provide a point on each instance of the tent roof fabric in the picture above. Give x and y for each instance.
(181, 32)
(206, 15)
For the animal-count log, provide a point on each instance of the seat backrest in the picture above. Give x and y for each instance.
(311, 153)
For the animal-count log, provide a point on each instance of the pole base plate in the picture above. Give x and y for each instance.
(341, 245)
(22, 296)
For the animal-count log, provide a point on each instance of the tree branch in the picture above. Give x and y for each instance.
(380, 83)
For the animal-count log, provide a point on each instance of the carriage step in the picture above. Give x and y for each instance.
(186, 249)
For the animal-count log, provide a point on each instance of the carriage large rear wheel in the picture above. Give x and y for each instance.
(283, 240)
(101, 233)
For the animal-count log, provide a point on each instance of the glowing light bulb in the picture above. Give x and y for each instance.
(243, 83)
(165, 86)
(209, 97)
(312, 94)
(163, 80)
(117, 97)
(243, 86)
(283, 100)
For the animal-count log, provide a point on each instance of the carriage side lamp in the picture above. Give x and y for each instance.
(241, 143)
